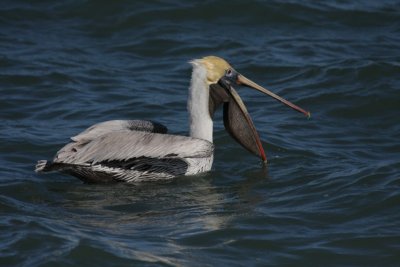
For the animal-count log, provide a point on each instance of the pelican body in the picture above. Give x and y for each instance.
(138, 150)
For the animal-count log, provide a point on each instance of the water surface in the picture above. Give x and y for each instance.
(330, 196)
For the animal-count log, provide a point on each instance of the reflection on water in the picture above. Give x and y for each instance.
(125, 219)
(192, 202)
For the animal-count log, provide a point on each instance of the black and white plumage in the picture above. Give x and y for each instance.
(130, 151)
(137, 150)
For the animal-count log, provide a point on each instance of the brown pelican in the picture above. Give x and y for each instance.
(137, 150)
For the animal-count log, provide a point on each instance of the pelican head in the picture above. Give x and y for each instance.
(220, 78)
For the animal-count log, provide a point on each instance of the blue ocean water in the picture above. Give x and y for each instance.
(330, 195)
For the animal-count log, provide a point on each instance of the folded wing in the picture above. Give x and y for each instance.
(127, 151)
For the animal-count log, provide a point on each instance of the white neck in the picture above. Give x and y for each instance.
(201, 124)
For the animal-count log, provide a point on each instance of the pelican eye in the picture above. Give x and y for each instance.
(229, 72)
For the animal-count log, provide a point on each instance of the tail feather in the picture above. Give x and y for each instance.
(82, 171)
(46, 166)
(42, 166)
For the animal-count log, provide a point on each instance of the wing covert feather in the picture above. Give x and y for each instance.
(125, 144)
(105, 127)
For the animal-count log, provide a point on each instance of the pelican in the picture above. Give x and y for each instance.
(138, 150)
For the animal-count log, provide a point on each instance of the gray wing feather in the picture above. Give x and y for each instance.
(125, 144)
(105, 127)
(128, 151)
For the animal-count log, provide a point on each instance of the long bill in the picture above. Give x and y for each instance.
(244, 81)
